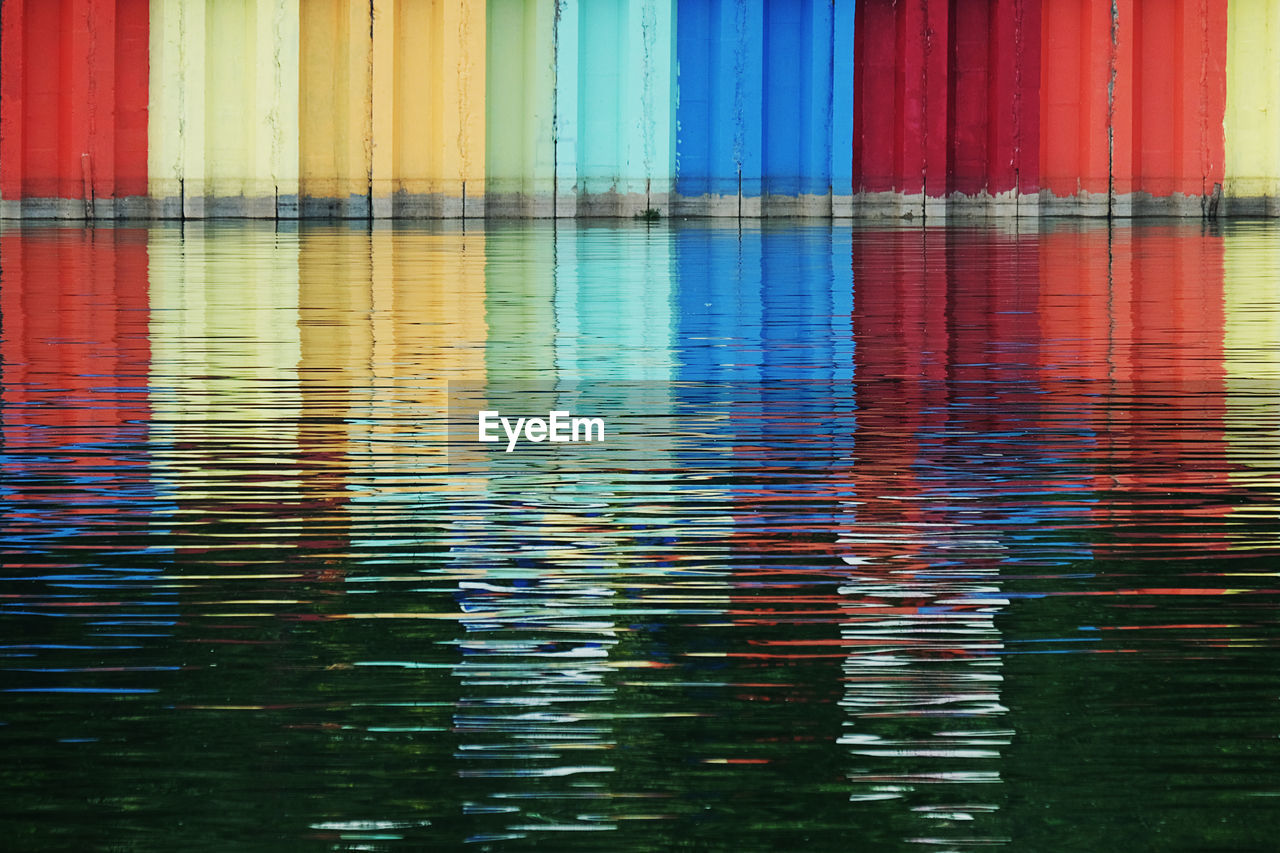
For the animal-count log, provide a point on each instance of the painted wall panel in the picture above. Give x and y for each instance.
(335, 107)
(73, 106)
(842, 99)
(719, 89)
(1178, 100)
(1252, 124)
(428, 107)
(899, 120)
(224, 107)
(1133, 97)
(954, 120)
(758, 107)
(994, 120)
(1085, 106)
(615, 131)
(797, 98)
(1074, 154)
(520, 102)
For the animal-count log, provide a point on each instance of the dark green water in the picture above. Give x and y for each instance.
(935, 540)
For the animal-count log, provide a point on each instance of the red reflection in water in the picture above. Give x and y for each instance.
(1136, 317)
(75, 360)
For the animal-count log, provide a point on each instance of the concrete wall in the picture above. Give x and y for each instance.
(615, 77)
(335, 108)
(73, 108)
(764, 107)
(1253, 108)
(450, 108)
(946, 112)
(223, 130)
(428, 107)
(520, 103)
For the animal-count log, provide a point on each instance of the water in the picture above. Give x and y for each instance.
(943, 539)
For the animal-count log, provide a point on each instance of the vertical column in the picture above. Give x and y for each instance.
(842, 75)
(1252, 170)
(1169, 107)
(428, 107)
(1208, 30)
(933, 62)
(131, 92)
(1075, 81)
(334, 107)
(947, 107)
(277, 62)
(719, 54)
(12, 103)
(566, 108)
(603, 63)
(900, 118)
(1013, 166)
(520, 97)
(624, 131)
(224, 107)
(651, 144)
(382, 107)
(797, 106)
(73, 95)
(87, 98)
(971, 111)
(463, 80)
(874, 106)
(765, 111)
(233, 120)
(175, 132)
(1133, 101)
(1120, 125)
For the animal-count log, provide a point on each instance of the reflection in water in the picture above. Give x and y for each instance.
(75, 413)
(1251, 291)
(945, 538)
(75, 356)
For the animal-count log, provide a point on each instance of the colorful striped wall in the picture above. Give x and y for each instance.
(737, 108)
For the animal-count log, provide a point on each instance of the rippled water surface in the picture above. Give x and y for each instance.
(937, 539)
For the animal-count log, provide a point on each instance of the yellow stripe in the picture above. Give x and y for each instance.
(335, 98)
(1252, 121)
(428, 103)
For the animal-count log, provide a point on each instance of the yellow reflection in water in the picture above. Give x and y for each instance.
(225, 349)
(1251, 289)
